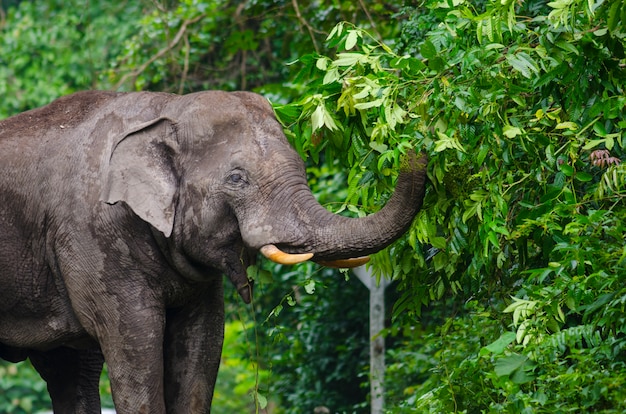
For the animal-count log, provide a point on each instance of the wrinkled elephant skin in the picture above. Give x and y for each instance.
(121, 213)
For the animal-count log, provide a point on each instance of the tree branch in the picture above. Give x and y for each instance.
(305, 24)
(160, 53)
(183, 77)
(369, 17)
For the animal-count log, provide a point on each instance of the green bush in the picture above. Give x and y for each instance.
(521, 108)
(318, 342)
(241, 383)
(53, 48)
(23, 390)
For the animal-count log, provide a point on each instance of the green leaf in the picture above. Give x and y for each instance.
(309, 286)
(614, 15)
(317, 117)
(336, 31)
(322, 118)
(252, 271)
(567, 169)
(370, 104)
(567, 46)
(523, 63)
(507, 365)
(572, 126)
(446, 142)
(583, 176)
(353, 36)
(522, 376)
(428, 50)
(510, 131)
(378, 147)
(438, 242)
(499, 345)
(347, 59)
(332, 75)
(322, 63)
(276, 311)
(261, 400)
(256, 273)
(599, 129)
(593, 143)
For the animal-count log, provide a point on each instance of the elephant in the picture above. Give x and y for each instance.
(121, 215)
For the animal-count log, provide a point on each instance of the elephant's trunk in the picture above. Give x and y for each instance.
(336, 240)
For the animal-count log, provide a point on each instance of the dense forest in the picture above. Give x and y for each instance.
(508, 292)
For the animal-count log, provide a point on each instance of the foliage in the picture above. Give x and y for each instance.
(237, 389)
(315, 363)
(199, 44)
(174, 46)
(40, 61)
(517, 104)
(23, 391)
(444, 365)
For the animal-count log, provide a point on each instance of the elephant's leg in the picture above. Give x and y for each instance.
(122, 308)
(72, 377)
(133, 350)
(193, 348)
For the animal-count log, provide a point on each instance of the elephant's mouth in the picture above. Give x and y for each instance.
(280, 256)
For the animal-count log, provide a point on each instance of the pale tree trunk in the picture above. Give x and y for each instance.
(377, 341)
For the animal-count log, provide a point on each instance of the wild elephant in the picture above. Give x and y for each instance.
(120, 214)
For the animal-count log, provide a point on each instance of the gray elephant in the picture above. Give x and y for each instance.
(120, 214)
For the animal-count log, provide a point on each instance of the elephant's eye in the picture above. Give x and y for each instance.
(237, 178)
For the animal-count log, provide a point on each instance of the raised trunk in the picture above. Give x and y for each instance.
(339, 241)
(337, 237)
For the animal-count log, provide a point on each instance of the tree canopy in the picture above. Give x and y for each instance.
(510, 284)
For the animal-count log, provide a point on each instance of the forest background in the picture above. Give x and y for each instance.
(508, 291)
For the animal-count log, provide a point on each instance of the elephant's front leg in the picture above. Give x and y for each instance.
(193, 346)
(133, 351)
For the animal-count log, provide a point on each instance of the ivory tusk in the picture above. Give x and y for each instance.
(346, 263)
(276, 255)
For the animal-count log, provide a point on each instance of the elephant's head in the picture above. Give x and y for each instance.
(214, 173)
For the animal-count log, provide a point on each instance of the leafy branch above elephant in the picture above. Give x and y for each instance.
(120, 214)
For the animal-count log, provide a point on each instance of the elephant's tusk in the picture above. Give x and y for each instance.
(276, 255)
(346, 263)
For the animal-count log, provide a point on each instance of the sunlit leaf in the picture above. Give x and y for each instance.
(510, 131)
(572, 126)
(309, 286)
(352, 38)
(379, 147)
(523, 63)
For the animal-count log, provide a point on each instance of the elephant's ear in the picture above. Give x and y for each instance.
(141, 172)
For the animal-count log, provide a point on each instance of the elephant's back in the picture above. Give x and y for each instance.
(63, 113)
(53, 144)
